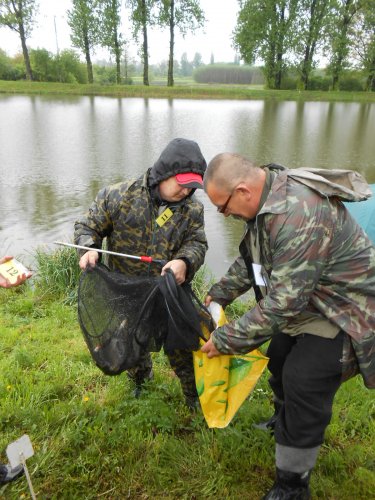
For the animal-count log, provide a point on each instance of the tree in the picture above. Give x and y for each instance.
(186, 67)
(186, 15)
(265, 30)
(311, 32)
(8, 69)
(362, 42)
(69, 67)
(83, 20)
(43, 65)
(110, 37)
(340, 44)
(18, 15)
(197, 61)
(143, 16)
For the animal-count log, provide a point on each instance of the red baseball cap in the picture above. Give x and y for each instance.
(190, 180)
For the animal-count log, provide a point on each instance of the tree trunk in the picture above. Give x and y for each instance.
(25, 52)
(305, 71)
(90, 75)
(118, 55)
(341, 51)
(171, 46)
(117, 47)
(145, 44)
(279, 50)
(278, 74)
(309, 52)
(370, 82)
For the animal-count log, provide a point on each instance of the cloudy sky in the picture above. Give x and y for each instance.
(214, 38)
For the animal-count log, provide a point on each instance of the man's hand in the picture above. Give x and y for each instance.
(89, 259)
(210, 349)
(4, 283)
(178, 266)
(207, 300)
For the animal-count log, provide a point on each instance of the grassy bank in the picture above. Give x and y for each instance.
(183, 91)
(93, 440)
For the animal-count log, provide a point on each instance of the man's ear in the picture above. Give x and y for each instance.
(243, 190)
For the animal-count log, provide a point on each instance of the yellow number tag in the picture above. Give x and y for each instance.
(164, 217)
(11, 269)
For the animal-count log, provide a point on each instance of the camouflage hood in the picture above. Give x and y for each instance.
(348, 185)
(180, 156)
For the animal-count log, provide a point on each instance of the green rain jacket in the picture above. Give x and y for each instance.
(318, 266)
(126, 215)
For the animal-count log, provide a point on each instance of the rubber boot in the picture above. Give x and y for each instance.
(269, 425)
(140, 379)
(290, 486)
(192, 402)
(7, 474)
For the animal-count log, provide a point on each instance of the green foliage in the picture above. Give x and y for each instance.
(183, 15)
(228, 73)
(84, 22)
(203, 279)
(93, 440)
(318, 82)
(351, 83)
(266, 30)
(16, 13)
(283, 34)
(110, 32)
(362, 42)
(19, 16)
(69, 68)
(143, 15)
(104, 75)
(289, 83)
(57, 274)
(64, 67)
(344, 17)
(8, 70)
(44, 68)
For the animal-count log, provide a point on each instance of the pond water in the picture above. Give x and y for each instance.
(57, 152)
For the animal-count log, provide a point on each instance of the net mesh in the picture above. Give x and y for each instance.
(122, 316)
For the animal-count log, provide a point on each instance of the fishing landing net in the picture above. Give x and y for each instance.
(123, 316)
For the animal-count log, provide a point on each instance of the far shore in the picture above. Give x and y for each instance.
(182, 90)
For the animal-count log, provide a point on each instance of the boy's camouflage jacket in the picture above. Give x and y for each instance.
(126, 214)
(316, 258)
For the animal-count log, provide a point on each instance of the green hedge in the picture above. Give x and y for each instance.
(228, 73)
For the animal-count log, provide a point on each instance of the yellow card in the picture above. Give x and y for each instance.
(164, 217)
(11, 269)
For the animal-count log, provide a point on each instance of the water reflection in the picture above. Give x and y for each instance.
(57, 152)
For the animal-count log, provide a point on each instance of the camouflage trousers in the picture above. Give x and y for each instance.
(181, 362)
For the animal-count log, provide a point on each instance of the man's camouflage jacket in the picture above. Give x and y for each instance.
(126, 215)
(316, 258)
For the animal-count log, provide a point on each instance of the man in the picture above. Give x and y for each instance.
(157, 215)
(7, 474)
(313, 272)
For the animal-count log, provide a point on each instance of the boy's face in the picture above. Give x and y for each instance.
(170, 190)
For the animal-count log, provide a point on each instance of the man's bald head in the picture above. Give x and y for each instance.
(227, 170)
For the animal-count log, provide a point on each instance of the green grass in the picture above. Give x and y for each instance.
(182, 91)
(93, 440)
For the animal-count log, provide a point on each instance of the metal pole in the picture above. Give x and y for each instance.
(143, 258)
(57, 45)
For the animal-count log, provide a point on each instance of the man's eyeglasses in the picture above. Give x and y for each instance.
(223, 208)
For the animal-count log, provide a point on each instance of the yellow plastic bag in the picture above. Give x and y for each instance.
(224, 382)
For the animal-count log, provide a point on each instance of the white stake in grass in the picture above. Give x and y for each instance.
(18, 452)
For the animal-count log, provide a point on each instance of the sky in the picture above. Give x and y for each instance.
(214, 38)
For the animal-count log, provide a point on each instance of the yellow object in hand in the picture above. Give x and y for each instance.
(225, 381)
